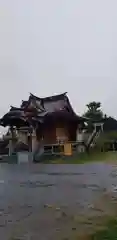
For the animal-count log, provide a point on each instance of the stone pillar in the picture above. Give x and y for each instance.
(34, 141)
(11, 145)
(102, 126)
(81, 148)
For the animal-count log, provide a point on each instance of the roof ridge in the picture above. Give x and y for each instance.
(48, 97)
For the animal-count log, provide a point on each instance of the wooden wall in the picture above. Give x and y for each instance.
(49, 135)
(62, 133)
(58, 132)
(53, 132)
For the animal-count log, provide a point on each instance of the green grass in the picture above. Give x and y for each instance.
(110, 232)
(85, 158)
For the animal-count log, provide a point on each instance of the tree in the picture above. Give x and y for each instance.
(94, 111)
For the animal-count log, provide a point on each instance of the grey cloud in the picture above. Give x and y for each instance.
(55, 46)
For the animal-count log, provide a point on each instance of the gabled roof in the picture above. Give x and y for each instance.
(49, 98)
(53, 103)
(14, 115)
(24, 104)
(37, 108)
(34, 102)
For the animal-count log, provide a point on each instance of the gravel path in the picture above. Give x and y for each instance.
(48, 202)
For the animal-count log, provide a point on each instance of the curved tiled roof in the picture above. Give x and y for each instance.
(37, 108)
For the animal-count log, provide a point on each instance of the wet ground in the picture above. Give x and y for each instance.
(48, 202)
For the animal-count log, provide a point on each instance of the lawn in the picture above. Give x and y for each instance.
(110, 232)
(85, 158)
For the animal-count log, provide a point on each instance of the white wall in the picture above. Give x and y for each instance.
(79, 136)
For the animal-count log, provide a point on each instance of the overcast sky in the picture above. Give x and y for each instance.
(51, 46)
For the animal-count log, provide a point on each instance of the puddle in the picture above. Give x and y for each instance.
(65, 174)
(35, 184)
(2, 181)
